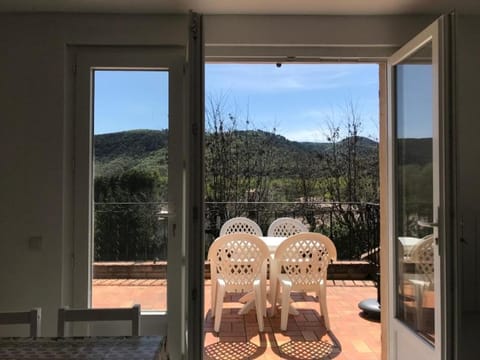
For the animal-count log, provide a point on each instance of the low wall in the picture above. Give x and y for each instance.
(339, 270)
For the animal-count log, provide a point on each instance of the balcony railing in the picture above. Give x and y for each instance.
(138, 231)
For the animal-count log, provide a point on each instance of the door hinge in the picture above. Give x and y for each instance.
(74, 68)
(185, 68)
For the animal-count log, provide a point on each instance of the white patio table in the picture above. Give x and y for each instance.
(272, 242)
(408, 243)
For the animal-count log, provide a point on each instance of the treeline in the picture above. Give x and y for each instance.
(128, 216)
(131, 174)
(246, 167)
(254, 167)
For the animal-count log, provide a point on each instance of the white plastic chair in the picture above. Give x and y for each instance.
(240, 225)
(286, 226)
(114, 314)
(238, 263)
(300, 264)
(32, 318)
(422, 256)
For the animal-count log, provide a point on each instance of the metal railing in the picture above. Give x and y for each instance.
(138, 231)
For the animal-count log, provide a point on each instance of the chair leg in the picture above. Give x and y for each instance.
(259, 304)
(273, 287)
(219, 307)
(213, 297)
(274, 296)
(285, 306)
(263, 288)
(322, 301)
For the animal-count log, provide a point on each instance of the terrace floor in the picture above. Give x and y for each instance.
(352, 337)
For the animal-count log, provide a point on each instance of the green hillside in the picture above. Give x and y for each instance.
(146, 150)
(143, 150)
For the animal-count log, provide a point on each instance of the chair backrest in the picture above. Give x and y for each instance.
(305, 257)
(422, 255)
(32, 318)
(115, 314)
(286, 226)
(240, 225)
(237, 259)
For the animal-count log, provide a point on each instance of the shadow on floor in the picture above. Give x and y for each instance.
(233, 351)
(306, 338)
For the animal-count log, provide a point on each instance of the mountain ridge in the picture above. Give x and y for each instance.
(147, 149)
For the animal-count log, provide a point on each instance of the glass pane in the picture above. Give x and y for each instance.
(414, 192)
(130, 188)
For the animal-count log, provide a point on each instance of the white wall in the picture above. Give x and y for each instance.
(36, 138)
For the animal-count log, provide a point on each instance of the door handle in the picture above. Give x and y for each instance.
(427, 224)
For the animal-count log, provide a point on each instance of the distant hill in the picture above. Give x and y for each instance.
(147, 150)
(144, 150)
(134, 143)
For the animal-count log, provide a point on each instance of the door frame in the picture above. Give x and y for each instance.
(85, 58)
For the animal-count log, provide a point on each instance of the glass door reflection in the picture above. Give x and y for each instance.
(414, 192)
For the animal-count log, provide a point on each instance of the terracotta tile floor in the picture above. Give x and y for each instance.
(352, 337)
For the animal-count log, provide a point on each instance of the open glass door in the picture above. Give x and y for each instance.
(416, 198)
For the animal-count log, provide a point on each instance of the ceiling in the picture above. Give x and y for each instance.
(273, 7)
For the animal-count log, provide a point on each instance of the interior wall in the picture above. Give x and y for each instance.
(467, 126)
(36, 140)
(36, 136)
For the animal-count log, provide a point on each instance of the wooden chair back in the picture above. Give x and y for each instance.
(32, 318)
(115, 314)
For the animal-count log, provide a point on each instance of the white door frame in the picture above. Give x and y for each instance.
(169, 58)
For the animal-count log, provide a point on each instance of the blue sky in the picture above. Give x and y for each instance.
(414, 100)
(126, 100)
(298, 100)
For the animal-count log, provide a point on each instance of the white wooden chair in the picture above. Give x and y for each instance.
(285, 226)
(33, 318)
(115, 314)
(238, 263)
(300, 264)
(240, 225)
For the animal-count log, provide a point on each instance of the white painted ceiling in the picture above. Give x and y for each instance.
(274, 7)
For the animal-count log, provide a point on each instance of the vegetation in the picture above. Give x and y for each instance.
(246, 170)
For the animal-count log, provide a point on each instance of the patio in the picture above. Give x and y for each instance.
(353, 337)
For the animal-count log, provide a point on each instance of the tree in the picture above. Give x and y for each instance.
(351, 181)
(351, 176)
(238, 164)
